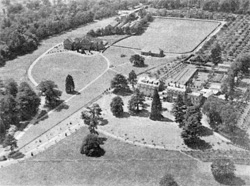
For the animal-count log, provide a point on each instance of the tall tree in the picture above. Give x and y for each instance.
(11, 87)
(117, 106)
(10, 141)
(92, 117)
(51, 92)
(137, 60)
(156, 107)
(91, 146)
(178, 110)
(216, 54)
(8, 111)
(27, 101)
(136, 103)
(69, 84)
(119, 83)
(132, 78)
(191, 130)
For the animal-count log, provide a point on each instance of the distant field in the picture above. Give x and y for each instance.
(57, 66)
(171, 35)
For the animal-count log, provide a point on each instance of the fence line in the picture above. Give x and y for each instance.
(54, 126)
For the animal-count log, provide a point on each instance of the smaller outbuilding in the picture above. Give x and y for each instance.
(154, 52)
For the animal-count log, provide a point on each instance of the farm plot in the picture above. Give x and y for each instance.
(171, 35)
(56, 67)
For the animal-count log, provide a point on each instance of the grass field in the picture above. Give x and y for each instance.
(171, 35)
(57, 66)
(122, 165)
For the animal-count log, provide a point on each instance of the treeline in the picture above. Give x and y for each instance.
(24, 25)
(228, 6)
(223, 117)
(17, 103)
(130, 25)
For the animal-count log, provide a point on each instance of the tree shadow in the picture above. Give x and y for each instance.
(43, 115)
(197, 144)
(166, 119)
(204, 131)
(61, 106)
(143, 113)
(74, 93)
(229, 179)
(16, 155)
(123, 92)
(103, 122)
(125, 115)
(144, 66)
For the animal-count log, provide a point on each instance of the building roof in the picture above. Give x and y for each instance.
(149, 81)
(151, 49)
(185, 75)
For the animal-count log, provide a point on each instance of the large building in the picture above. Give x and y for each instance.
(148, 85)
(84, 43)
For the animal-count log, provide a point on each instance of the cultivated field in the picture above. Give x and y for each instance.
(57, 66)
(171, 35)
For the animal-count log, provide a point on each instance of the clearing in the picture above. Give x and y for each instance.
(172, 35)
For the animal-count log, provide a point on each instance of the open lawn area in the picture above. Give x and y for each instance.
(122, 165)
(171, 35)
(140, 129)
(56, 67)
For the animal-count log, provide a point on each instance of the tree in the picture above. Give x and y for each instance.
(168, 180)
(27, 101)
(156, 107)
(119, 83)
(178, 110)
(117, 106)
(136, 103)
(137, 60)
(216, 54)
(91, 117)
(132, 78)
(50, 90)
(244, 63)
(11, 87)
(223, 169)
(10, 141)
(192, 122)
(91, 146)
(2, 129)
(8, 111)
(69, 85)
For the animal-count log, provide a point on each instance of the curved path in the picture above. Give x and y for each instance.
(28, 142)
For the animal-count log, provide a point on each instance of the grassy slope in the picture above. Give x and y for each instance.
(123, 164)
(57, 66)
(172, 35)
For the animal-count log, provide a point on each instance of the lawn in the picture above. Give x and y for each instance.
(57, 66)
(171, 35)
(122, 165)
